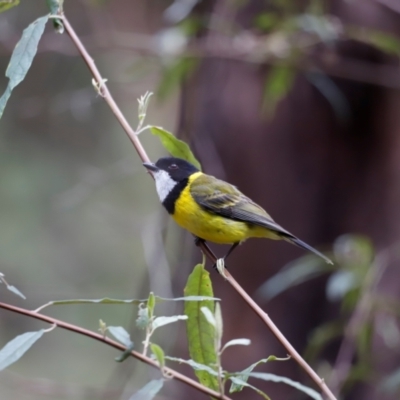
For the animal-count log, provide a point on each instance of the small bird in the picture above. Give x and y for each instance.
(214, 210)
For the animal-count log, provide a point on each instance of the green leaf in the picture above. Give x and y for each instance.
(151, 302)
(22, 57)
(13, 289)
(107, 300)
(282, 379)
(7, 4)
(244, 375)
(125, 354)
(294, 273)
(56, 7)
(237, 342)
(143, 319)
(174, 146)
(219, 327)
(120, 334)
(17, 347)
(391, 383)
(240, 383)
(174, 75)
(161, 321)
(209, 316)
(321, 336)
(278, 84)
(195, 365)
(158, 353)
(148, 391)
(201, 334)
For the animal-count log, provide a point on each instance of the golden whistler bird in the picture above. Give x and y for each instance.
(214, 210)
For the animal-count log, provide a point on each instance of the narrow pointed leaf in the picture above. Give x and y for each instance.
(17, 347)
(13, 289)
(241, 383)
(148, 391)
(125, 354)
(201, 334)
(22, 57)
(237, 342)
(174, 146)
(151, 303)
(6, 4)
(161, 321)
(195, 365)
(107, 300)
(209, 316)
(283, 379)
(159, 354)
(121, 335)
(244, 375)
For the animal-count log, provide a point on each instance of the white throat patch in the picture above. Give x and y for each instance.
(164, 184)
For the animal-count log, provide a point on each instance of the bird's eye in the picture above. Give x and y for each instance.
(173, 166)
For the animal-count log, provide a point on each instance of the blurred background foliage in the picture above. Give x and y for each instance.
(294, 102)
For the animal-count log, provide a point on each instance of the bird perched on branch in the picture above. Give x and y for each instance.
(214, 210)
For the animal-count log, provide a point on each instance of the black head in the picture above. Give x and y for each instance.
(177, 168)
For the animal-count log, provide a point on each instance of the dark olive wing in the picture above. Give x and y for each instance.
(223, 199)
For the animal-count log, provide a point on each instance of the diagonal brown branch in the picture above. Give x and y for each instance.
(96, 336)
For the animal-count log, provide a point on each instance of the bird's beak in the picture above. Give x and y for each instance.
(150, 167)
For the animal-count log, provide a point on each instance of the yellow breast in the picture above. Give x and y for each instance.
(211, 227)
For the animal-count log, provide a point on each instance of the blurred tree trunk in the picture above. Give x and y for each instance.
(318, 173)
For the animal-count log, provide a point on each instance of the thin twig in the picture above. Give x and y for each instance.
(268, 321)
(103, 90)
(142, 153)
(101, 338)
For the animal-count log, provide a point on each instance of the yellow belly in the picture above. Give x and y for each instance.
(211, 227)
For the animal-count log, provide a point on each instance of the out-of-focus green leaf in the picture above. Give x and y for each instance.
(340, 283)
(364, 341)
(151, 303)
(201, 334)
(174, 146)
(175, 74)
(158, 353)
(143, 320)
(125, 354)
(17, 347)
(22, 57)
(243, 376)
(283, 379)
(266, 21)
(237, 382)
(383, 41)
(354, 251)
(391, 383)
(55, 7)
(161, 321)
(321, 336)
(120, 334)
(294, 273)
(13, 289)
(278, 84)
(7, 4)
(148, 391)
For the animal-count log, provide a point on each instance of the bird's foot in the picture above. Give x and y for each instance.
(220, 266)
